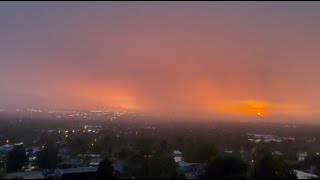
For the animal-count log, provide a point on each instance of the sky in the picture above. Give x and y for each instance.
(163, 58)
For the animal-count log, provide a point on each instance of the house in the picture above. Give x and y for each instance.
(7, 148)
(302, 156)
(278, 153)
(176, 152)
(18, 144)
(192, 170)
(304, 175)
(76, 173)
(95, 161)
(265, 138)
(64, 153)
(177, 156)
(33, 150)
(88, 155)
(73, 163)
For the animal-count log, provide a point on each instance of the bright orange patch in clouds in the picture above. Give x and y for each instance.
(261, 108)
(247, 108)
(103, 97)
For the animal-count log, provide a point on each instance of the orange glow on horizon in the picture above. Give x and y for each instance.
(247, 108)
(101, 97)
(198, 99)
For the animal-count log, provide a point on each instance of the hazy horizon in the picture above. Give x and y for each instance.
(174, 59)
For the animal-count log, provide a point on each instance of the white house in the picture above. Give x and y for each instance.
(177, 156)
(228, 152)
(7, 147)
(176, 152)
(95, 161)
(302, 156)
(278, 153)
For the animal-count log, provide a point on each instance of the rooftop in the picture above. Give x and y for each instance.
(302, 154)
(176, 152)
(60, 172)
(304, 175)
(26, 175)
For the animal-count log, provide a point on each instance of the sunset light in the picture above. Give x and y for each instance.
(159, 90)
(162, 59)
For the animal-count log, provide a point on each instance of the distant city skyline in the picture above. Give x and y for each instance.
(176, 59)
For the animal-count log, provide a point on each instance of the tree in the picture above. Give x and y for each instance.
(200, 152)
(47, 157)
(273, 167)
(145, 146)
(105, 170)
(125, 152)
(163, 166)
(164, 145)
(16, 159)
(2, 174)
(227, 166)
(79, 146)
(135, 166)
(313, 161)
(316, 161)
(159, 165)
